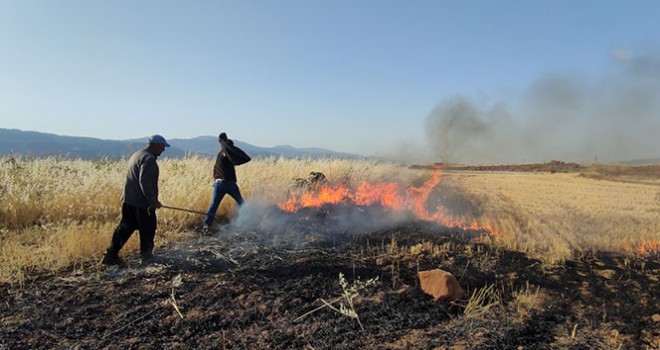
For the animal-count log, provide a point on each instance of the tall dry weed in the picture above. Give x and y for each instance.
(56, 211)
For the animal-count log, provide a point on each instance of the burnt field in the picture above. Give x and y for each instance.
(246, 287)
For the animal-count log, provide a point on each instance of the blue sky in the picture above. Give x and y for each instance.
(369, 77)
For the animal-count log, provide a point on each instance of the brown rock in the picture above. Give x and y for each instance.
(440, 284)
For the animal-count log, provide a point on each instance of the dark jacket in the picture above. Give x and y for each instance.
(235, 154)
(141, 188)
(224, 169)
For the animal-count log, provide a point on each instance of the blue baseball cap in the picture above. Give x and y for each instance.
(159, 139)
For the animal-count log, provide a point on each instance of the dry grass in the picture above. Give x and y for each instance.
(482, 301)
(558, 216)
(527, 300)
(57, 212)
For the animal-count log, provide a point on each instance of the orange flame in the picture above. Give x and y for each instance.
(390, 195)
(649, 248)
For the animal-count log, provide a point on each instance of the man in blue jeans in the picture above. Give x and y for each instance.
(224, 175)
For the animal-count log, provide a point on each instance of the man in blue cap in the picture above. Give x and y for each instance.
(139, 203)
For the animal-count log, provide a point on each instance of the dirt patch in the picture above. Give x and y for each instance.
(553, 166)
(645, 174)
(281, 289)
(630, 173)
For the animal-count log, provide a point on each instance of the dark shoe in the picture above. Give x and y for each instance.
(147, 258)
(112, 259)
(207, 231)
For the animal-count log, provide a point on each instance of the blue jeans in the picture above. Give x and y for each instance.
(220, 188)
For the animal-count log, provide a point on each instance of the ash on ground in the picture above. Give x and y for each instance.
(275, 283)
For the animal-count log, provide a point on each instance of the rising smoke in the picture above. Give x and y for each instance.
(279, 228)
(559, 117)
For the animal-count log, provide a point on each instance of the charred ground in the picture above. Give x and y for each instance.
(253, 289)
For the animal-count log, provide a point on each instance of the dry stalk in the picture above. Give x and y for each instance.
(325, 304)
(223, 257)
(464, 270)
(172, 301)
(574, 331)
(129, 324)
(349, 292)
(177, 281)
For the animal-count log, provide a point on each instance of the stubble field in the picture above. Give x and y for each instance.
(554, 256)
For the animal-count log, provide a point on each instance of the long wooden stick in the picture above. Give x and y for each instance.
(182, 209)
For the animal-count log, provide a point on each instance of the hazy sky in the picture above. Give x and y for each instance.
(469, 81)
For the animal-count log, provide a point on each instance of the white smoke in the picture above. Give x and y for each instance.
(294, 230)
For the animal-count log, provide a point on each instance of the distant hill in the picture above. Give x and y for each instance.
(208, 145)
(37, 144)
